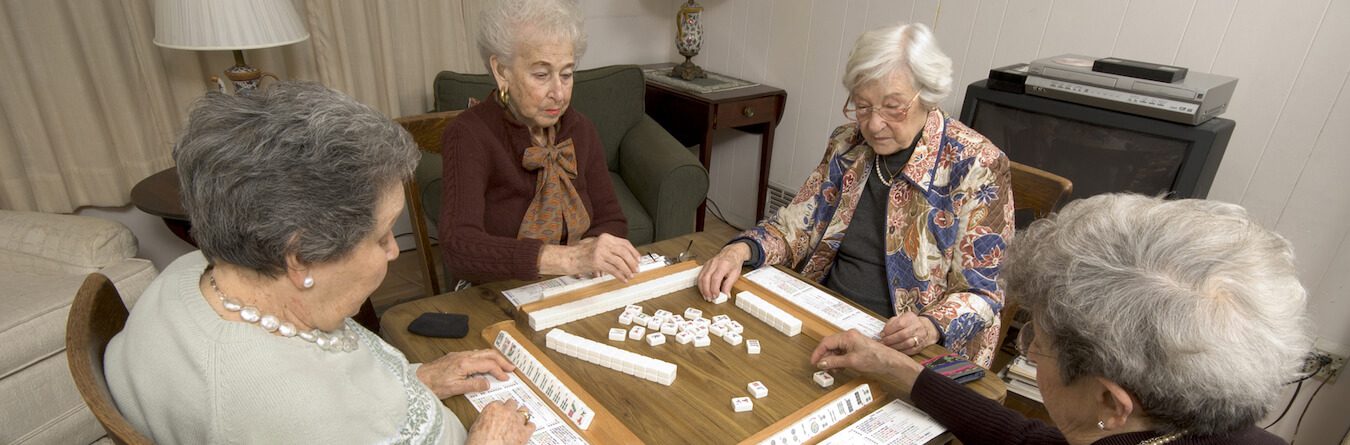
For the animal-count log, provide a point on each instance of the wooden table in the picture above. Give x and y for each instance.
(691, 117)
(158, 196)
(694, 410)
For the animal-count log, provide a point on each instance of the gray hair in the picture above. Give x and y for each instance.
(295, 168)
(1188, 304)
(501, 24)
(909, 47)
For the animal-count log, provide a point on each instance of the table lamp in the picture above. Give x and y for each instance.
(688, 40)
(234, 25)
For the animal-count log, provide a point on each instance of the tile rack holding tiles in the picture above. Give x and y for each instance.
(707, 379)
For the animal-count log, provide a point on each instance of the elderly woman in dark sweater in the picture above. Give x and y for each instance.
(527, 191)
(1153, 322)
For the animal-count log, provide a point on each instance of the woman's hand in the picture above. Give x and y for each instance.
(453, 373)
(609, 254)
(909, 333)
(605, 253)
(722, 270)
(501, 422)
(852, 350)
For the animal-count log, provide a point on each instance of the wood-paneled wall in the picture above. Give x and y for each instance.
(1292, 106)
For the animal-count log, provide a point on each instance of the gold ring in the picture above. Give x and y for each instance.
(527, 417)
(824, 364)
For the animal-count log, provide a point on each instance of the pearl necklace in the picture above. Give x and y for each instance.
(342, 340)
(878, 161)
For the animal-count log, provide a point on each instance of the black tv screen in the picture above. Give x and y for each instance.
(1101, 151)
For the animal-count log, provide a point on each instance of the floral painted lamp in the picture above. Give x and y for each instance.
(234, 25)
(688, 40)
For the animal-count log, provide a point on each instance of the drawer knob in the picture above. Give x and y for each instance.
(748, 112)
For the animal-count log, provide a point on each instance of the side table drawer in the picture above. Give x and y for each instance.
(746, 112)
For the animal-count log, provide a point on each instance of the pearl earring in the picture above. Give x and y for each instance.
(309, 282)
(1101, 425)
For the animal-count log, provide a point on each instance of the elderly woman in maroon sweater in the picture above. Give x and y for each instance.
(1153, 322)
(527, 191)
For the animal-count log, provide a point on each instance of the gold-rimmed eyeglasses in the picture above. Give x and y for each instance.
(888, 113)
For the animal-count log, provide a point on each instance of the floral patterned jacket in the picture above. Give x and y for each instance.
(947, 225)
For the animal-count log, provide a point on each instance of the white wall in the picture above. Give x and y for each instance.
(1292, 106)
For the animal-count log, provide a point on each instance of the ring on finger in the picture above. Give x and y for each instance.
(915, 340)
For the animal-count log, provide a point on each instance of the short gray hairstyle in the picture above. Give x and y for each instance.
(909, 48)
(1188, 304)
(503, 21)
(294, 168)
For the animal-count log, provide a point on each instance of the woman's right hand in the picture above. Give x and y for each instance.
(852, 350)
(502, 423)
(608, 254)
(604, 254)
(722, 271)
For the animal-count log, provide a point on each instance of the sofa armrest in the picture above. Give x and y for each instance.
(46, 242)
(667, 179)
(131, 276)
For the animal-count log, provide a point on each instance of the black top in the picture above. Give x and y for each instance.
(859, 271)
(973, 418)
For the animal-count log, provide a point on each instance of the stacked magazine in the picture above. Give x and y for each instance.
(1020, 375)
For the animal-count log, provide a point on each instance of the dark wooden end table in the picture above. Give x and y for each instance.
(691, 117)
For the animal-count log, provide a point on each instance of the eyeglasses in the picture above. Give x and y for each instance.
(1025, 337)
(891, 114)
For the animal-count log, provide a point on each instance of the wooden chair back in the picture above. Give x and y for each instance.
(1041, 192)
(96, 315)
(427, 130)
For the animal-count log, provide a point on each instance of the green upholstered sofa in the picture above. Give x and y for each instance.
(659, 183)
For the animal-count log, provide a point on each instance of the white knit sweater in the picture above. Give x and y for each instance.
(181, 374)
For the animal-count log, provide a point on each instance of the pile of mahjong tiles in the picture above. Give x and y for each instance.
(689, 328)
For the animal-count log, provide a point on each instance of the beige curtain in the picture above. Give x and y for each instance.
(90, 106)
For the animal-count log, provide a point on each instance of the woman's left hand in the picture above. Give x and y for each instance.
(909, 333)
(454, 373)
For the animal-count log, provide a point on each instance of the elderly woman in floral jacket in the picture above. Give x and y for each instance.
(925, 202)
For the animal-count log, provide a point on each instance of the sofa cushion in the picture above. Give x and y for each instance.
(33, 318)
(45, 243)
(33, 309)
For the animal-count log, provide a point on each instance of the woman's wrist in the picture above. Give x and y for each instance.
(557, 260)
(738, 251)
(904, 371)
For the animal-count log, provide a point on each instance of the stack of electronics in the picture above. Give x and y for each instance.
(1020, 375)
(1170, 93)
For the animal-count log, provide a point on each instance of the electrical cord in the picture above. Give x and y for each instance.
(1321, 364)
(1287, 406)
(717, 213)
(1305, 410)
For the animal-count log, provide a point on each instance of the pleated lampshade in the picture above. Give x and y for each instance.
(227, 24)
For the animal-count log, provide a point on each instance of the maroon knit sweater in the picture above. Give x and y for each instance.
(486, 192)
(973, 419)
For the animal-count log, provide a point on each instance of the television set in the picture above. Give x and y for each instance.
(1101, 151)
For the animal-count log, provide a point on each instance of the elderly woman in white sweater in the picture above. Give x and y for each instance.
(292, 192)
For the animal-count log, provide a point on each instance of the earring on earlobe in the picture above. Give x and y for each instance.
(309, 282)
(503, 96)
(1101, 425)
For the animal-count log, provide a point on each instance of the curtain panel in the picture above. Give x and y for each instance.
(91, 106)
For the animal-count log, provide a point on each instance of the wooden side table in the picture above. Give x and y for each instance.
(158, 196)
(691, 117)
